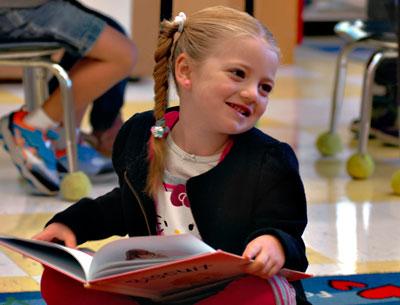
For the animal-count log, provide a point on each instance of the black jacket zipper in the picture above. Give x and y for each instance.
(138, 200)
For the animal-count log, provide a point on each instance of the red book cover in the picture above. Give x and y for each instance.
(156, 267)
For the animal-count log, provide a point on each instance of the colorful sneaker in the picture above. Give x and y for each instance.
(31, 151)
(90, 162)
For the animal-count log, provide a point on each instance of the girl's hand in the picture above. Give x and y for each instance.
(57, 232)
(268, 255)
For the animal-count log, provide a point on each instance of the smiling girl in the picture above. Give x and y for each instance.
(202, 168)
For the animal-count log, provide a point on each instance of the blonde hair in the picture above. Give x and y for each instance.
(202, 31)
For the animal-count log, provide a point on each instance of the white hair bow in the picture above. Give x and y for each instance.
(180, 20)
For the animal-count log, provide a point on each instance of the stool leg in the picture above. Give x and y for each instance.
(329, 143)
(339, 84)
(361, 165)
(69, 114)
(35, 87)
(75, 185)
(366, 101)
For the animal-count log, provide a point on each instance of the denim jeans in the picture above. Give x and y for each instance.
(56, 20)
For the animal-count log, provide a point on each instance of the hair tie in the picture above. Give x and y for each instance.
(159, 130)
(180, 21)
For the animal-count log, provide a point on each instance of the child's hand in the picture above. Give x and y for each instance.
(268, 255)
(57, 232)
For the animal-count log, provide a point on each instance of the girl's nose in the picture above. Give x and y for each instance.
(249, 94)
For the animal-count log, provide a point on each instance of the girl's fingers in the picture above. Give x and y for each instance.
(70, 241)
(57, 233)
(251, 251)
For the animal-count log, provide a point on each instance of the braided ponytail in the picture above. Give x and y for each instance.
(161, 72)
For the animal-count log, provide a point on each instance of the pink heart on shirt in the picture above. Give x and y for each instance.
(179, 196)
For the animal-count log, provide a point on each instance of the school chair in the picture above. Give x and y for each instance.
(35, 57)
(383, 44)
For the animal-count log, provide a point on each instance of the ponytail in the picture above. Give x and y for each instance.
(161, 72)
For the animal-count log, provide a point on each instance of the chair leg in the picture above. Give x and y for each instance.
(339, 84)
(366, 100)
(69, 114)
(75, 185)
(35, 87)
(37, 92)
(329, 143)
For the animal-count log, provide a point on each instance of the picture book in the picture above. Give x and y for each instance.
(155, 267)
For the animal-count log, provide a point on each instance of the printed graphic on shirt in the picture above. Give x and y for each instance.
(173, 211)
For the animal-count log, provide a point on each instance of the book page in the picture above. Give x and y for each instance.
(69, 261)
(140, 250)
(123, 266)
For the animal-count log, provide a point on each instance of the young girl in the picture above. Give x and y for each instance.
(202, 168)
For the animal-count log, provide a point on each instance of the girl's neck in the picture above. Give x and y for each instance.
(198, 143)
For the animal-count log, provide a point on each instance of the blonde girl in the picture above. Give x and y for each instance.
(202, 168)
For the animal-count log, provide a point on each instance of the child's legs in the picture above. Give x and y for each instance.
(110, 60)
(244, 291)
(105, 108)
(251, 290)
(109, 55)
(59, 289)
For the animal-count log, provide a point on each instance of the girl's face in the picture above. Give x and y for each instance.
(229, 90)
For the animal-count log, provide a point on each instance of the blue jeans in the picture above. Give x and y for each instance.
(56, 20)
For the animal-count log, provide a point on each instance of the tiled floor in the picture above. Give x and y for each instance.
(353, 225)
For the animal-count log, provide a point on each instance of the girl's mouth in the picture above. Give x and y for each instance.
(241, 109)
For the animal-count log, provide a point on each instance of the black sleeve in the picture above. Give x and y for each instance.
(280, 207)
(93, 219)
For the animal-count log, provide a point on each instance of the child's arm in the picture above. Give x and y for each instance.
(280, 208)
(268, 255)
(57, 232)
(94, 219)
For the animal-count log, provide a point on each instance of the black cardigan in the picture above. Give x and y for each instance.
(255, 190)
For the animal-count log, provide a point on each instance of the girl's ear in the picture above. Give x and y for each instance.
(183, 71)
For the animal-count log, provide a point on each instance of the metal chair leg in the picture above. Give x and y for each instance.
(36, 63)
(35, 87)
(339, 84)
(329, 143)
(366, 100)
(69, 114)
(67, 100)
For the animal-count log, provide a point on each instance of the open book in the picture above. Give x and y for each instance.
(156, 267)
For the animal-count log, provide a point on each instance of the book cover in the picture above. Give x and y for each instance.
(156, 267)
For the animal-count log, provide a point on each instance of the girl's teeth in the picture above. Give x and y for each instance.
(239, 109)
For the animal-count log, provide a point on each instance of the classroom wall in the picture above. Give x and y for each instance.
(119, 10)
(280, 16)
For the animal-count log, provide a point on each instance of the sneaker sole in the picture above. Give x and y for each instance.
(18, 160)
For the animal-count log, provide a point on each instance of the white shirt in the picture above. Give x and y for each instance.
(173, 207)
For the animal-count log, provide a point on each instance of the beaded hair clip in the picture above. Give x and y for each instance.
(159, 130)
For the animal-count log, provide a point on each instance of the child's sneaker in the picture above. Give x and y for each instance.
(31, 151)
(90, 162)
(103, 140)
